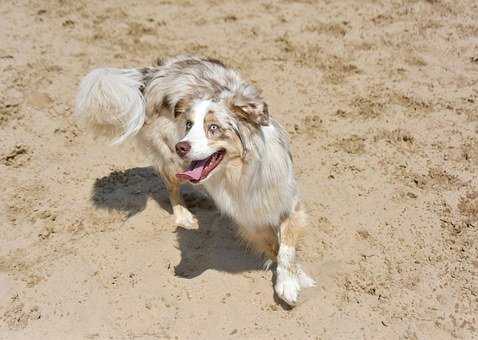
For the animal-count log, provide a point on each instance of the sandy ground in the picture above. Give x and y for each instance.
(381, 102)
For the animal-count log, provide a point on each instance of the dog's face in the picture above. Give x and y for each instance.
(213, 135)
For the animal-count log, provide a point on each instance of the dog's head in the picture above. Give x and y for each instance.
(217, 131)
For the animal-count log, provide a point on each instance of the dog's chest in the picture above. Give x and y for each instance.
(251, 208)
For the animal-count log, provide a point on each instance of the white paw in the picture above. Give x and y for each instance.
(183, 217)
(305, 280)
(287, 286)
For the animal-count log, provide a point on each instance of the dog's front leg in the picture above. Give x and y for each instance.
(183, 217)
(290, 276)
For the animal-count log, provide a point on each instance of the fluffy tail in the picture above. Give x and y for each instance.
(110, 102)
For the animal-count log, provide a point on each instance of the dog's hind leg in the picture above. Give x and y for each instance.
(262, 241)
(290, 276)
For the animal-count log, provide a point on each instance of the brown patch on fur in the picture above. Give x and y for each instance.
(292, 227)
(185, 63)
(262, 241)
(211, 118)
(167, 103)
(174, 192)
(253, 112)
(182, 106)
(291, 232)
(214, 61)
(148, 75)
(158, 62)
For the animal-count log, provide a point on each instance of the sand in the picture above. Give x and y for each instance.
(381, 102)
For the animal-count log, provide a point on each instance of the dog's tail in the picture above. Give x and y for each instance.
(111, 103)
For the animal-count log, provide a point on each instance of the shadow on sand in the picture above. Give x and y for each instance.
(213, 245)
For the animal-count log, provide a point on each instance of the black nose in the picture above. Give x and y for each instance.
(182, 148)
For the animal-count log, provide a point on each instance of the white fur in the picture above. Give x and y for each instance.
(110, 99)
(290, 276)
(287, 285)
(264, 192)
(183, 217)
(196, 136)
(286, 256)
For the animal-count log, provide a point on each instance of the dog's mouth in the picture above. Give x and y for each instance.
(199, 170)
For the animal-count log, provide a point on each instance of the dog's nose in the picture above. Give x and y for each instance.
(182, 148)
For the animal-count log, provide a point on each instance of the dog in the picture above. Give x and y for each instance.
(205, 125)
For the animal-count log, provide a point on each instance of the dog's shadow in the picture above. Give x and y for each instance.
(213, 245)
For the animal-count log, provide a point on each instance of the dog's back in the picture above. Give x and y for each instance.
(116, 102)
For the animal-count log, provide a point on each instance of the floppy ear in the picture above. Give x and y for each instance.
(248, 105)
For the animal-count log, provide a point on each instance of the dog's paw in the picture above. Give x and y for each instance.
(287, 286)
(305, 280)
(183, 217)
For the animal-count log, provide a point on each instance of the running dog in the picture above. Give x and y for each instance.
(206, 125)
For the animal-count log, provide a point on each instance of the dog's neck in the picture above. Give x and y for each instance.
(261, 189)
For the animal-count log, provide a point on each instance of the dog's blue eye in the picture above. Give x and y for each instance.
(213, 127)
(189, 125)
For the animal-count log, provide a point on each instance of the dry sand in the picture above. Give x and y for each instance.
(381, 102)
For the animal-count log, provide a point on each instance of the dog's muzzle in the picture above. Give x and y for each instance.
(182, 149)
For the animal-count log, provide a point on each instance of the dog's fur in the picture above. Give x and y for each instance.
(209, 108)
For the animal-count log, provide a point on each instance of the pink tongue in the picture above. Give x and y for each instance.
(194, 171)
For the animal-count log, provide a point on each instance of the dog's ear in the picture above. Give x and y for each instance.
(247, 104)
